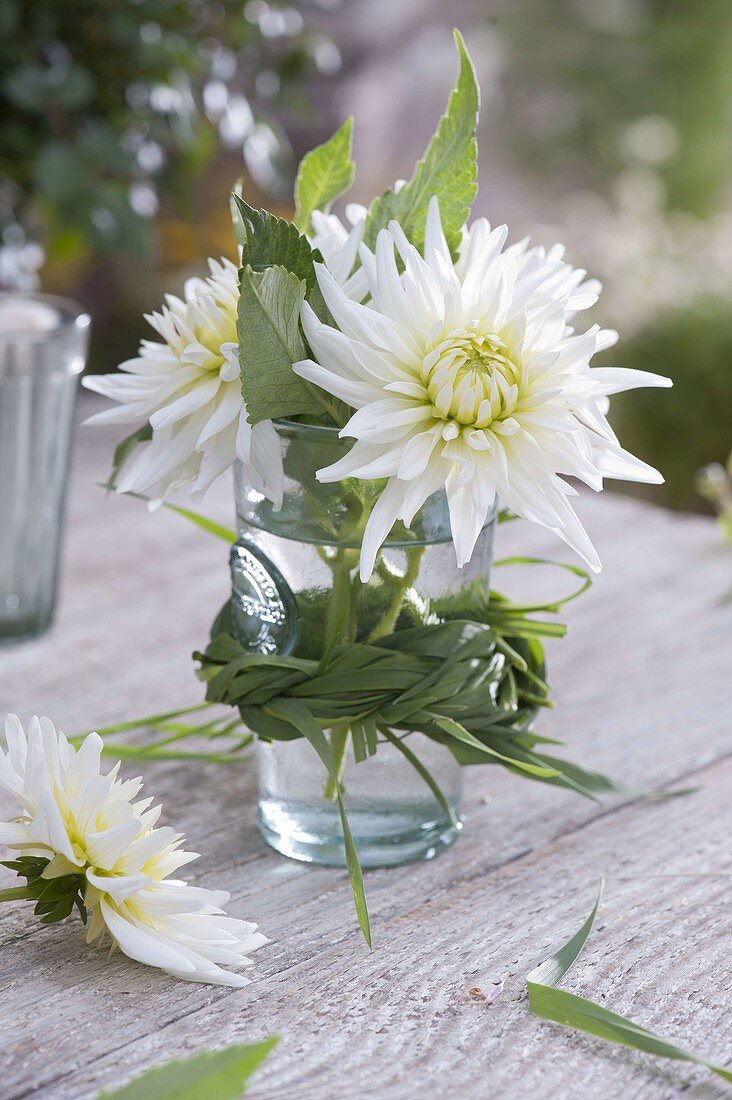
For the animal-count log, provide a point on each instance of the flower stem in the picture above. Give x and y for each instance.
(16, 893)
(340, 622)
(388, 620)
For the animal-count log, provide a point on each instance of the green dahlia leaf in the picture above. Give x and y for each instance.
(55, 898)
(577, 1012)
(211, 1075)
(448, 169)
(269, 241)
(270, 342)
(324, 174)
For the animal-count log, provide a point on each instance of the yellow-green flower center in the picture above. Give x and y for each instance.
(471, 379)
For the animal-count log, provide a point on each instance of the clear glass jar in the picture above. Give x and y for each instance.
(43, 341)
(297, 591)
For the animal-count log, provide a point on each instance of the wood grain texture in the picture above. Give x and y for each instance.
(644, 687)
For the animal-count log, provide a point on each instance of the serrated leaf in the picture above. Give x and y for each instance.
(212, 1075)
(324, 174)
(448, 169)
(269, 241)
(270, 342)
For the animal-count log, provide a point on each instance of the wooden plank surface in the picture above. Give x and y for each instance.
(644, 686)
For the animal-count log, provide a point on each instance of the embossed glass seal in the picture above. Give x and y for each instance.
(263, 607)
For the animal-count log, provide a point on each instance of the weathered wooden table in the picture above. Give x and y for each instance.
(644, 686)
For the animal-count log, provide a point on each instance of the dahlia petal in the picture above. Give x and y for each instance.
(609, 380)
(383, 517)
(466, 518)
(190, 402)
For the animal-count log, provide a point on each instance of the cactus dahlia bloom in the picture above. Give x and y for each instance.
(84, 828)
(188, 387)
(467, 375)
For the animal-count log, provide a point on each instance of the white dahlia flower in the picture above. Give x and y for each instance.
(86, 824)
(339, 248)
(188, 388)
(467, 376)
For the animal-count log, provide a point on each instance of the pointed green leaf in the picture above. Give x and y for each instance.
(400, 744)
(552, 970)
(458, 731)
(210, 525)
(448, 170)
(270, 342)
(324, 174)
(211, 1075)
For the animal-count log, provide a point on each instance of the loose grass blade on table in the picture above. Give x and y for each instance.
(565, 1008)
(229, 733)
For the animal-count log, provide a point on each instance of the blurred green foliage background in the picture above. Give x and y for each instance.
(606, 124)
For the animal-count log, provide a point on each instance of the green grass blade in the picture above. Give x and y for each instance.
(553, 605)
(565, 1008)
(419, 767)
(553, 969)
(456, 730)
(149, 721)
(213, 528)
(297, 714)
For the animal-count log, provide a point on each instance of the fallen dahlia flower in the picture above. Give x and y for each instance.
(82, 840)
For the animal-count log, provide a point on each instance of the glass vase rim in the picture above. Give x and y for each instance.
(70, 314)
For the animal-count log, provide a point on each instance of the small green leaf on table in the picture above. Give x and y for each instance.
(211, 1075)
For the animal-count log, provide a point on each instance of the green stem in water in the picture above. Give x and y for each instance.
(388, 620)
(16, 893)
(340, 622)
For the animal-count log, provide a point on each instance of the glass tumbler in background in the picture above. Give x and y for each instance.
(43, 342)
